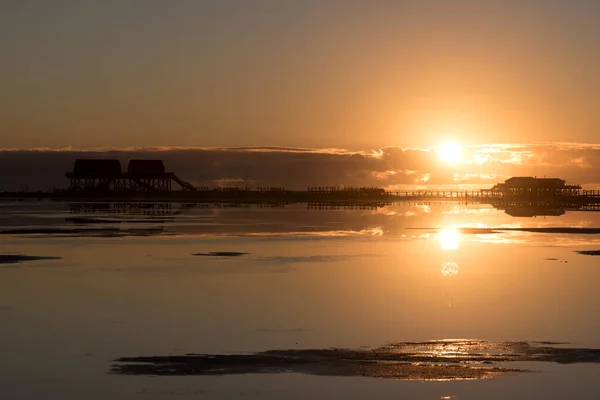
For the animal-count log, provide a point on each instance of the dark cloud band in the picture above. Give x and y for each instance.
(298, 168)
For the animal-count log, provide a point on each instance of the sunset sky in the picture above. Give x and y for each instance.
(357, 75)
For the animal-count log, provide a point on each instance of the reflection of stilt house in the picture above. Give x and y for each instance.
(98, 175)
(530, 210)
(534, 189)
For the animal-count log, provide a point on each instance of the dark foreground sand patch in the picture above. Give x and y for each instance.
(436, 360)
(589, 252)
(307, 259)
(265, 364)
(18, 258)
(221, 254)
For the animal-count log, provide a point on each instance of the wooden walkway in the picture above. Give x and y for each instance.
(585, 196)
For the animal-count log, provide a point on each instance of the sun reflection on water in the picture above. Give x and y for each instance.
(449, 268)
(449, 239)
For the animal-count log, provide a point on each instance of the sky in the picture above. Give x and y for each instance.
(354, 75)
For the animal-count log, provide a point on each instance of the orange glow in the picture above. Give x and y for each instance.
(450, 151)
(449, 269)
(449, 239)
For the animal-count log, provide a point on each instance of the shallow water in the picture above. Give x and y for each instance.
(84, 285)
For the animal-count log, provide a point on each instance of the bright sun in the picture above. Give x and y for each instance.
(450, 151)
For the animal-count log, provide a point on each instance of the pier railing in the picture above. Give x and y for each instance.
(496, 195)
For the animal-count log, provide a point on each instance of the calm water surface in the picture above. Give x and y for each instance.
(122, 280)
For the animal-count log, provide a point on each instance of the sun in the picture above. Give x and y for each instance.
(450, 151)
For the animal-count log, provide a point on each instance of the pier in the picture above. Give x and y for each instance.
(487, 195)
(103, 180)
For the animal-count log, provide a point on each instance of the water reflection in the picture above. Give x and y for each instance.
(405, 219)
(455, 359)
(449, 268)
(449, 239)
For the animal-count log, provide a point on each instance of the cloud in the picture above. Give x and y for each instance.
(298, 168)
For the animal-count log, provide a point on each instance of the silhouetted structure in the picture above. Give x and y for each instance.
(146, 175)
(530, 188)
(93, 175)
(97, 168)
(146, 168)
(103, 179)
(350, 191)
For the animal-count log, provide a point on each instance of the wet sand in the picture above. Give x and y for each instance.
(221, 254)
(294, 303)
(432, 360)
(589, 252)
(19, 258)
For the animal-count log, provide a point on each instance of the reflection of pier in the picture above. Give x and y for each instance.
(589, 207)
(530, 210)
(129, 208)
(160, 208)
(238, 204)
(165, 209)
(345, 205)
(520, 209)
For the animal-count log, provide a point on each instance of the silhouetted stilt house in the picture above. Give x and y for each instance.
(105, 175)
(94, 174)
(534, 189)
(148, 175)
